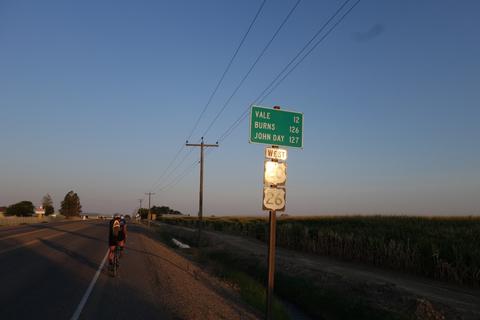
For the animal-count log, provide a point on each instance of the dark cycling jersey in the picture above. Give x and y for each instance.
(116, 232)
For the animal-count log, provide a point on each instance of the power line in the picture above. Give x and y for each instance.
(175, 181)
(168, 167)
(156, 186)
(274, 82)
(237, 122)
(311, 49)
(184, 173)
(252, 67)
(319, 31)
(211, 96)
(226, 69)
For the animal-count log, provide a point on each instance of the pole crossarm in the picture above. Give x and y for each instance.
(200, 145)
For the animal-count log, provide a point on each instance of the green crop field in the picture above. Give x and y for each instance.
(442, 248)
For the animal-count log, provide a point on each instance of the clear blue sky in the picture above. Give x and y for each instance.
(98, 96)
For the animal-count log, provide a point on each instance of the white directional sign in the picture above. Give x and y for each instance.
(274, 199)
(275, 173)
(276, 153)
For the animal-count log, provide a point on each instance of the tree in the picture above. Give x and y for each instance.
(143, 212)
(160, 210)
(164, 210)
(70, 206)
(47, 204)
(23, 208)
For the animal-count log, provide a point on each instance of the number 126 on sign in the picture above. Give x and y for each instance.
(274, 199)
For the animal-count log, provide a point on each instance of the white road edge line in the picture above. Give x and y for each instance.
(82, 303)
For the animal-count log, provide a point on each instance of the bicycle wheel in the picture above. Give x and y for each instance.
(115, 263)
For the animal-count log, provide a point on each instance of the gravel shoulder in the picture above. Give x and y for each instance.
(188, 291)
(155, 282)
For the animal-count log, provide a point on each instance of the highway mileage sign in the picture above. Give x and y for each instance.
(276, 127)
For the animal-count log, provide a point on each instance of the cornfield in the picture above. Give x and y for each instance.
(442, 248)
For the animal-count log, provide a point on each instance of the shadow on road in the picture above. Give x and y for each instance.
(72, 254)
(78, 234)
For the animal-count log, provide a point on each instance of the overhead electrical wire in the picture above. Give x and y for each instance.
(251, 67)
(167, 168)
(226, 69)
(211, 95)
(177, 179)
(275, 82)
(284, 21)
(185, 172)
(311, 49)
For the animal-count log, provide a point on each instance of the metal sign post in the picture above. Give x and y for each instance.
(271, 262)
(279, 128)
(274, 179)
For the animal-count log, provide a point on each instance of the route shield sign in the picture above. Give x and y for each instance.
(275, 173)
(276, 127)
(274, 199)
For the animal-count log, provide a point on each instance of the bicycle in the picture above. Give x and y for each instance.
(116, 261)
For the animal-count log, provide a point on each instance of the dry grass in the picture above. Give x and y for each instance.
(443, 248)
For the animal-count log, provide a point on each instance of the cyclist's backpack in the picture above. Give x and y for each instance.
(116, 228)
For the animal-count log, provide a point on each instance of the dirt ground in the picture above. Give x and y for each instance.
(414, 297)
(188, 291)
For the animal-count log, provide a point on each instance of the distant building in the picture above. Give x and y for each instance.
(3, 209)
(39, 211)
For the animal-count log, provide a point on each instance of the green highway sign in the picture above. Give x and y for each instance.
(276, 127)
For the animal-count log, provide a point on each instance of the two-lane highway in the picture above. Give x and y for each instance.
(55, 271)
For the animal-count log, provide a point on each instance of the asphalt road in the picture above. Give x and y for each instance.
(54, 271)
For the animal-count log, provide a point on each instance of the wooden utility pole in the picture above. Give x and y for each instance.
(139, 208)
(200, 202)
(149, 194)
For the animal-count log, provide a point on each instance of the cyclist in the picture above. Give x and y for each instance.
(122, 233)
(116, 237)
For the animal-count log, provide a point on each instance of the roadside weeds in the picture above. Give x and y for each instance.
(318, 295)
(250, 289)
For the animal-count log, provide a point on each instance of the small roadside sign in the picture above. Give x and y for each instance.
(275, 173)
(276, 153)
(274, 199)
(276, 127)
